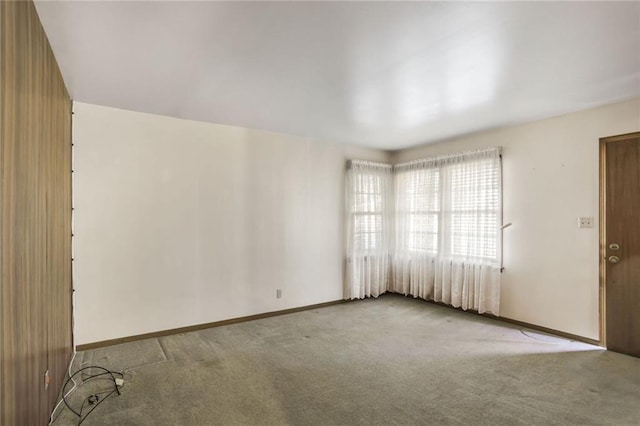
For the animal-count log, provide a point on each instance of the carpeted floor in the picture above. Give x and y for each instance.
(388, 361)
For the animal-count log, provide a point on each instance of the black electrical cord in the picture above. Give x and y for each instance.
(95, 405)
(105, 372)
(86, 378)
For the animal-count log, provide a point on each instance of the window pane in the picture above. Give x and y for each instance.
(474, 186)
(421, 189)
(367, 203)
(474, 235)
(367, 223)
(423, 232)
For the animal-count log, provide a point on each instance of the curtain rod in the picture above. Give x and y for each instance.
(441, 157)
(368, 163)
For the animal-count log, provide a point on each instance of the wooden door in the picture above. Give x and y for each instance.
(620, 241)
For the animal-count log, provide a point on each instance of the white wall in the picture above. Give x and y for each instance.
(550, 179)
(180, 222)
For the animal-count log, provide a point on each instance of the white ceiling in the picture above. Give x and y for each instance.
(386, 75)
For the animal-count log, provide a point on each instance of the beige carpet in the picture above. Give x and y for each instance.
(388, 361)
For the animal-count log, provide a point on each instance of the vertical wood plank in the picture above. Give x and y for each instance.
(35, 216)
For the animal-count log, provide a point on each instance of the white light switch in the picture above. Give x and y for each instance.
(585, 222)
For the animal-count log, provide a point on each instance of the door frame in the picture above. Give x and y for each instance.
(603, 230)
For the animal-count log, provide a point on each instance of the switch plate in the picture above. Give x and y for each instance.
(278, 294)
(585, 222)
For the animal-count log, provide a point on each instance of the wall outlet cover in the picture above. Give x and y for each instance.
(585, 222)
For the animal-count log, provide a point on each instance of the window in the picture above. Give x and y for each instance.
(450, 207)
(369, 198)
(418, 210)
(369, 222)
(367, 212)
(429, 228)
(474, 209)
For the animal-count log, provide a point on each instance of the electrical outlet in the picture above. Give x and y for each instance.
(278, 294)
(585, 222)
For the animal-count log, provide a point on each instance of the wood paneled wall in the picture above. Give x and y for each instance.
(35, 217)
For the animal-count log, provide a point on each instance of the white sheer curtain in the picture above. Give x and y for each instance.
(369, 223)
(447, 228)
